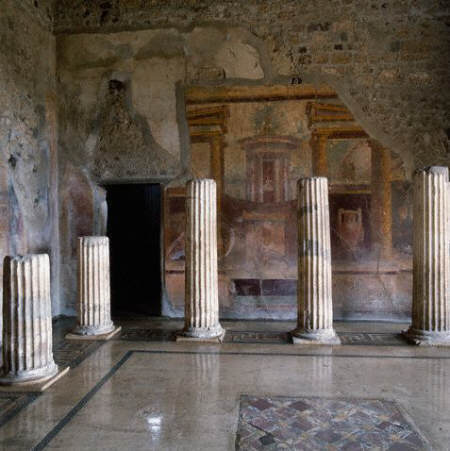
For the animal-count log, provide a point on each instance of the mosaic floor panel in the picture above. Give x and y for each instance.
(235, 336)
(280, 423)
(72, 353)
(158, 335)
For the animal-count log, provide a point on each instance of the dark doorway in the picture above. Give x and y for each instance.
(134, 221)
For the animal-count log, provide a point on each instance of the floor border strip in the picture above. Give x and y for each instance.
(83, 401)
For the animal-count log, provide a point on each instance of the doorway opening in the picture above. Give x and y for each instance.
(134, 230)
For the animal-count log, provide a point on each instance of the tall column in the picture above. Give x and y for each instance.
(201, 289)
(27, 320)
(431, 259)
(315, 308)
(381, 199)
(94, 293)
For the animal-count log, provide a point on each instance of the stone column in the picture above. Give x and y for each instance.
(94, 293)
(27, 320)
(431, 260)
(381, 199)
(201, 286)
(315, 308)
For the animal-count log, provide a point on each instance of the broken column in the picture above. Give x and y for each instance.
(201, 286)
(27, 320)
(94, 293)
(315, 308)
(431, 259)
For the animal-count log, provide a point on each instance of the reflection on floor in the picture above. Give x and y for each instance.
(273, 423)
(12, 403)
(144, 394)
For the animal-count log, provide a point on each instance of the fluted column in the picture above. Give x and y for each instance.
(201, 286)
(431, 265)
(27, 320)
(315, 308)
(94, 293)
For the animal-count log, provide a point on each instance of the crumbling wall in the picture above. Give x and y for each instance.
(28, 133)
(387, 59)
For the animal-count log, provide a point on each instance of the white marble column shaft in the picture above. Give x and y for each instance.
(201, 286)
(431, 265)
(27, 320)
(94, 292)
(315, 308)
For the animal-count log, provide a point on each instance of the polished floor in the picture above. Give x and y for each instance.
(134, 394)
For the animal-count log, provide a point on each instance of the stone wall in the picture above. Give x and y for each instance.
(28, 133)
(387, 59)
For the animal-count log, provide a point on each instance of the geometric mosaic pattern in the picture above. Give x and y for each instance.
(158, 335)
(282, 423)
(268, 337)
(369, 339)
(347, 338)
(72, 353)
(235, 336)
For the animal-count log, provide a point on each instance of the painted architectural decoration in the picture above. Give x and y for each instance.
(256, 143)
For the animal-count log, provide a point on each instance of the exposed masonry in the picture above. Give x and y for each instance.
(386, 59)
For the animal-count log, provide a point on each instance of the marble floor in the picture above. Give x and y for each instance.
(134, 394)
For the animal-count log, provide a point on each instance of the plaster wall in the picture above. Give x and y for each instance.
(28, 134)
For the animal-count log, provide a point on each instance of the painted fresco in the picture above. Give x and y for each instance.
(257, 151)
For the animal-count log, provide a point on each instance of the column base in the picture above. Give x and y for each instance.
(78, 334)
(205, 335)
(425, 338)
(9, 384)
(315, 337)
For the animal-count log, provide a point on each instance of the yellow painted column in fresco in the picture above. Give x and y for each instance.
(319, 155)
(217, 174)
(381, 199)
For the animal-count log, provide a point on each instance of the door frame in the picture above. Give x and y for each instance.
(163, 182)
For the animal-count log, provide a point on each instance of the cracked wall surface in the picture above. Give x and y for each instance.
(28, 133)
(387, 59)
